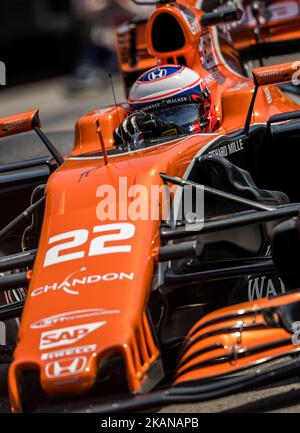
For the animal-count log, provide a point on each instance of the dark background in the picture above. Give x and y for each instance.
(38, 39)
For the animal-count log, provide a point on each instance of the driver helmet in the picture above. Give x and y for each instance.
(175, 93)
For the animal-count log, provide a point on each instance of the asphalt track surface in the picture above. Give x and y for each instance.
(59, 111)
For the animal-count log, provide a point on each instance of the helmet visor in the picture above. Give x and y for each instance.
(182, 115)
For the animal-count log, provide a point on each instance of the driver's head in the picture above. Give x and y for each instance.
(176, 94)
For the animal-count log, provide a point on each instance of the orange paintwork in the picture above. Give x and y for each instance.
(113, 281)
(19, 123)
(275, 74)
(86, 137)
(144, 59)
(190, 50)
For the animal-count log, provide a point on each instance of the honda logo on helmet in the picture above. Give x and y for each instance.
(66, 367)
(157, 74)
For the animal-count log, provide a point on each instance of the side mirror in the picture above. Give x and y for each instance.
(269, 75)
(19, 123)
(275, 74)
(25, 122)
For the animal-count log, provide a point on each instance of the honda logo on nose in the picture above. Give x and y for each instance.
(66, 367)
(155, 75)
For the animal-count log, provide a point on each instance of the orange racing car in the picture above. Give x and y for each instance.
(135, 297)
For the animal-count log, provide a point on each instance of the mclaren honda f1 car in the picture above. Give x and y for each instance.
(128, 314)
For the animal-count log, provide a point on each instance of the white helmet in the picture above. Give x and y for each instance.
(175, 93)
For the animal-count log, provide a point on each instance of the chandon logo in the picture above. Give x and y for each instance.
(67, 336)
(70, 282)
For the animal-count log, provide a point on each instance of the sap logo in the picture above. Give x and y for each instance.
(262, 287)
(64, 353)
(67, 336)
(157, 74)
(48, 322)
(66, 367)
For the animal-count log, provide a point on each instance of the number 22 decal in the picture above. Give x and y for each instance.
(97, 247)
